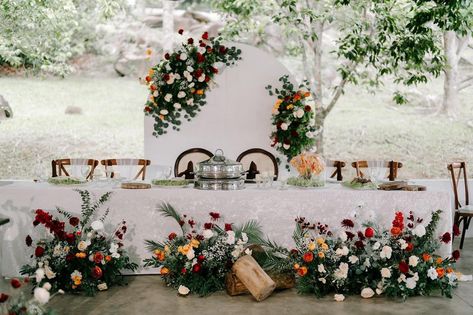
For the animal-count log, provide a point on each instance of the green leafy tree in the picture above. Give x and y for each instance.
(364, 40)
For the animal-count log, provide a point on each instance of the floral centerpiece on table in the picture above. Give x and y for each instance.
(20, 304)
(365, 259)
(293, 118)
(199, 258)
(311, 169)
(179, 83)
(77, 255)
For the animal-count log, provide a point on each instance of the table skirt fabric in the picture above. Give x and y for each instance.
(274, 208)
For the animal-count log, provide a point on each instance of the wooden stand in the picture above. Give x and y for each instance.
(253, 277)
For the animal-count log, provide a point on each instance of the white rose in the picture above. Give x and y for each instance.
(181, 94)
(432, 273)
(102, 286)
(49, 273)
(286, 146)
(182, 290)
(201, 78)
(41, 295)
(402, 278)
(183, 56)
(230, 238)
(190, 102)
(339, 297)
(343, 236)
(385, 273)
(177, 106)
(353, 259)
(190, 69)
(321, 268)
(97, 225)
(299, 113)
(402, 243)
(419, 230)
(413, 261)
(39, 275)
(207, 233)
(190, 254)
(284, 126)
(376, 246)
(323, 280)
(168, 97)
(386, 252)
(248, 252)
(155, 93)
(163, 112)
(82, 246)
(367, 293)
(411, 283)
(47, 286)
(342, 251)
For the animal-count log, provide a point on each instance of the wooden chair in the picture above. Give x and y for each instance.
(184, 165)
(128, 162)
(338, 165)
(462, 213)
(59, 166)
(255, 160)
(393, 166)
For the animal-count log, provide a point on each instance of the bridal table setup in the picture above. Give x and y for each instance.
(247, 162)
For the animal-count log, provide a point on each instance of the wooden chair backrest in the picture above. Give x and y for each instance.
(338, 168)
(265, 153)
(137, 162)
(58, 167)
(393, 166)
(459, 167)
(188, 170)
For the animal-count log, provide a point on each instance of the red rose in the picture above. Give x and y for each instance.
(307, 108)
(409, 247)
(228, 227)
(200, 58)
(15, 283)
(209, 49)
(70, 238)
(196, 268)
(446, 238)
(214, 216)
(180, 31)
(190, 41)
(166, 56)
(294, 133)
(148, 109)
(198, 72)
(152, 87)
(39, 251)
(403, 267)
(214, 70)
(208, 226)
(3, 297)
(26, 280)
(166, 77)
(172, 236)
(207, 78)
(369, 232)
(28, 241)
(456, 254)
(308, 257)
(200, 258)
(202, 44)
(183, 270)
(205, 36)
(222, 50)
(148, 78)
(74, 221)
(98, 257)
(97, 272)
(456, 230)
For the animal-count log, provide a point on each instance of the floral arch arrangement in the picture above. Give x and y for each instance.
(178, 84)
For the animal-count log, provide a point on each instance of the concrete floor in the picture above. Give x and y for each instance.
(148, 295)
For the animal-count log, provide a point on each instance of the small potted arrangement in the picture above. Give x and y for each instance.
(311, 169)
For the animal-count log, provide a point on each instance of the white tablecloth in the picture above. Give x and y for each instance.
(274, 208)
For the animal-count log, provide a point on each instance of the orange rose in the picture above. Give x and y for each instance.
(297, 97)
(308, 257)
(159, 255)
(449, 270)
(321, 255)
(306, 94)
(199, 92)
(439, 260)
(426, 257)
(440, 272)
(164, 271)
(296, 266)
(395, 231)
(108, 258)
(302, 271)
(80, 255)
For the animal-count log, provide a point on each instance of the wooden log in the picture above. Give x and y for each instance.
(393, 186)
(255, 279)
(415, 188)
(235, 287)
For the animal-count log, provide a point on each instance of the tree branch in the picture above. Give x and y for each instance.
(338, 91)
(464, 87)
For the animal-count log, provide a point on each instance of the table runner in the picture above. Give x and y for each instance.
(274, 208)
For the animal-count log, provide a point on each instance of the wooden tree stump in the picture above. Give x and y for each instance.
(235, 287)
(253, 277)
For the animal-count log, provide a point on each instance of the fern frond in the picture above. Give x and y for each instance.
(168, 211)
(153, 245)
(252, 229)
(64, 213)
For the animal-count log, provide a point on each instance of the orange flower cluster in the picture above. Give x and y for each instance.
(307, 164)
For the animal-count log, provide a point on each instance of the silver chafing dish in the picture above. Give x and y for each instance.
(219, 173)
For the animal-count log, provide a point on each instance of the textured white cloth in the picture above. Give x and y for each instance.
(274, 208)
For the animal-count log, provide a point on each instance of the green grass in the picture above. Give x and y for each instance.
(362, 126)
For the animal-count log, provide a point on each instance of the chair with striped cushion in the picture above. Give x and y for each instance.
(393, 167)
(74, 167)
(130, 169)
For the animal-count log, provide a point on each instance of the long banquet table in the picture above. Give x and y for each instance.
(274, 208)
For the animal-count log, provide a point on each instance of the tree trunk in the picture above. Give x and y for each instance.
(450, 102)
(319, 125)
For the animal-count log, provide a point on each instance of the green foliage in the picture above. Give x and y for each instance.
(44, 35)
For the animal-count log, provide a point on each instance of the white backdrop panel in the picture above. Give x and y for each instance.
(237, 115)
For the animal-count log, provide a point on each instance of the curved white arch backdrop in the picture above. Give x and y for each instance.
(237, 115)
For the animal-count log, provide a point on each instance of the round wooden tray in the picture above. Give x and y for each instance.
(135, 186)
